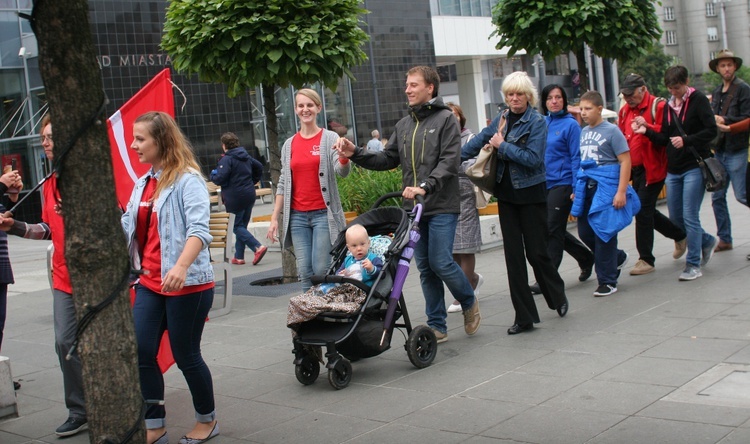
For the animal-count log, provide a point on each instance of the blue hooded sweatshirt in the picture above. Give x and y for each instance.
(237, 174)
(563, 155)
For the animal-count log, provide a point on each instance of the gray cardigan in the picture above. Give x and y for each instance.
(329, 162)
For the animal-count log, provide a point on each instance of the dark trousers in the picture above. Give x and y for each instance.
(184, 317)
(606, 254)
(524, 228)
(558, 210)
(649, 218)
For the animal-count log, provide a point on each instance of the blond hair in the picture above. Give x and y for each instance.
(519, 82)
(175, 152)
(310, 94)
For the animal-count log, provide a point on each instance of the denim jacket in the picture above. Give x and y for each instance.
(524, 147)
(183, 210)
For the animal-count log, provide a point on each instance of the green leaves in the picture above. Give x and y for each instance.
(620, 29)
(246, 43)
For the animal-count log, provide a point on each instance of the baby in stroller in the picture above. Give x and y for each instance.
(361, 264)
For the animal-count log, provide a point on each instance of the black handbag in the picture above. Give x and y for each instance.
(714, 173)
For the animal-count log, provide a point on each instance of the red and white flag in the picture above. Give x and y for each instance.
(155, 96)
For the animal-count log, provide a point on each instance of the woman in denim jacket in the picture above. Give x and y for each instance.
(166, 223)
(520, 136)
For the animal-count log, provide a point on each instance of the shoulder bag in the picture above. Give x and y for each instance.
(714, 173)
(483, 173)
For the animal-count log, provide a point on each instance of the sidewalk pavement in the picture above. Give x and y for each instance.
(660, 361)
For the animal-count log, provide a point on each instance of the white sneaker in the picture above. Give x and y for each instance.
(455, 307)
(480, 281)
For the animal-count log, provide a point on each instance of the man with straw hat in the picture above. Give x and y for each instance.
(730, 103)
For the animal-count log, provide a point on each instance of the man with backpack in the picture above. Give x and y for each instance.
(649, 169)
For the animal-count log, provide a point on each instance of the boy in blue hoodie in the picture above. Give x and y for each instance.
(603, 146)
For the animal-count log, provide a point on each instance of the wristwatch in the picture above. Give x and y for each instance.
(425, 187)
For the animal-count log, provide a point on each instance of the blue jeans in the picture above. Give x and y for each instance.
(241, 234)
(312, 243)
(184, 318)
(434, 258)
(684, 197)
(606, 254)
(735, 163)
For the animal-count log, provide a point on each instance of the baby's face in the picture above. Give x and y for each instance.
(358, 246)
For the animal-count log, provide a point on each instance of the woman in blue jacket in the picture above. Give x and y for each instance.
(520, 135)
(562, 161)
(166, 225)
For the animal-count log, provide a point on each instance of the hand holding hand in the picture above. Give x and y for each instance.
(723, 128)
(344, 147)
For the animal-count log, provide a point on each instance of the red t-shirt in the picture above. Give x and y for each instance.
(60, 275)
(147, 234)
(305, 166)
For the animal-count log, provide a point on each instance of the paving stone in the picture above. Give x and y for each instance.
(554, 425)
(462, 414)
(657, 371)
(696, 348)
(614, 397)
(384, 404)
(521, 388)
(314, 428)
(698, 413)
(406, 434)
(647, 430)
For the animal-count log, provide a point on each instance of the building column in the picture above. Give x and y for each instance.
(471, 93)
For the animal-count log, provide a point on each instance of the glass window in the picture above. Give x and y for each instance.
(710, 11)
(450, 7)
(668, 14)
(671, 37)
(713, 34)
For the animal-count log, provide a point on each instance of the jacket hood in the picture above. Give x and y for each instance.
(238, 153)
(550, 117)
(421, 111)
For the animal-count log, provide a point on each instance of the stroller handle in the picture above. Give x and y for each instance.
(395, 194)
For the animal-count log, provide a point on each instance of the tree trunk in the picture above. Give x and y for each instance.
(583, 70)
(95, 247)
(288, 262)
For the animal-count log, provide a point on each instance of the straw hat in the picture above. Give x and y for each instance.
(724, 54)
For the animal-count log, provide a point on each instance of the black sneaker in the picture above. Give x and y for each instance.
(72, 426)
(605, 290)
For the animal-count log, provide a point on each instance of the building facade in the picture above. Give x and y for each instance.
(696, 30)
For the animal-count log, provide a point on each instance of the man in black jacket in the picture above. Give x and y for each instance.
(427, 145)
(730, 103)
(237, 174)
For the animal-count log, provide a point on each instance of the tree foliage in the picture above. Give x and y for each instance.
(244, 44)
(651, 66)
(617, 29)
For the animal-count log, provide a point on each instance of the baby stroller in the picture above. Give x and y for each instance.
(366, 333)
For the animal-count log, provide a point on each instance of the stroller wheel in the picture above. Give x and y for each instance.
(421, 346)
(308, 370)
(341, 375)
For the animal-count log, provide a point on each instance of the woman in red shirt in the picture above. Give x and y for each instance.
(307, 193)
(166, 224)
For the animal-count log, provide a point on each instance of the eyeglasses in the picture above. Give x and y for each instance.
(43, 138)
